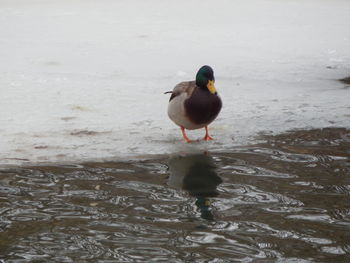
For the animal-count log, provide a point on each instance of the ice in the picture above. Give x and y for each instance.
(82, 80)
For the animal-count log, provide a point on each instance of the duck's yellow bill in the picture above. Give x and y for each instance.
(211, 86)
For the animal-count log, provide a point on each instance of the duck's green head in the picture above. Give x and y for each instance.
(205, 79)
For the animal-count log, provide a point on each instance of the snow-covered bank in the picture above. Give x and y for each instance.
(85, 79)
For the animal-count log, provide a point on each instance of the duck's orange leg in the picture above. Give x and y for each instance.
(184, 134)
(206, 136)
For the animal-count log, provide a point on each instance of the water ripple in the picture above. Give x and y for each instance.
(285, 201)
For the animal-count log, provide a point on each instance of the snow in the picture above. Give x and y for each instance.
(84, 80)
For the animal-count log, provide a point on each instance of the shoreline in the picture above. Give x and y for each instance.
(282, 140)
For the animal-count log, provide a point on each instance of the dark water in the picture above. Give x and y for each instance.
(286, 200)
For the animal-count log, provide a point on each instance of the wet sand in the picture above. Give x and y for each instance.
(346, 80)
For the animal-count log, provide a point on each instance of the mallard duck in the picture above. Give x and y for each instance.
(195, 104)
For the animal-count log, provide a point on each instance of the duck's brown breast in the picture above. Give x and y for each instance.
(202, 107)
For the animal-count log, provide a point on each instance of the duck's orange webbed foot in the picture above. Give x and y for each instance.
(184, 135)
(206, 136)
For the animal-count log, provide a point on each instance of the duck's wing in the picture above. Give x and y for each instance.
(183, 87)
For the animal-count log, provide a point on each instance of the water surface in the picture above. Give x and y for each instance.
(284, 200)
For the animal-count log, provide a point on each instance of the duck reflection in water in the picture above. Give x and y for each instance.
(196, 174)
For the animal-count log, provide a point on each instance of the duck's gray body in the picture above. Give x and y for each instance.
(192, 107)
